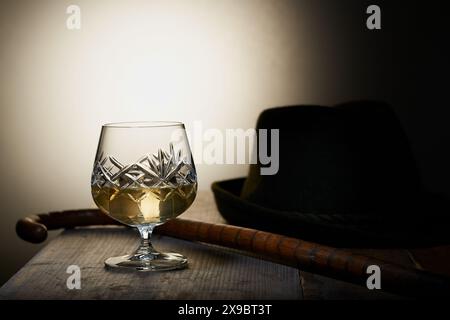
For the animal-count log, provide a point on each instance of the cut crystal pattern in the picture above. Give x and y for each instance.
(164, 169)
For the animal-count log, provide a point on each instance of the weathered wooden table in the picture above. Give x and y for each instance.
(213, 272)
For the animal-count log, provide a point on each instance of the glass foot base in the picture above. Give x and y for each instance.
(148, 262)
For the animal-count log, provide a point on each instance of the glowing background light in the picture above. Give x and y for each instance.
(218, 61)
(221, 62)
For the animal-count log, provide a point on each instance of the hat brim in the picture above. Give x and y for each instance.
(340, 230)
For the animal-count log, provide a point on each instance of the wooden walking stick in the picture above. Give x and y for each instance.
(312, 257)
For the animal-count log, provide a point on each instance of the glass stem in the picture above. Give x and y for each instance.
(145, 247)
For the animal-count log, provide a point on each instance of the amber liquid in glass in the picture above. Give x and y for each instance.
(137, 206)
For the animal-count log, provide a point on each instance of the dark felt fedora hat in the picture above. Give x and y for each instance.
(346, 177)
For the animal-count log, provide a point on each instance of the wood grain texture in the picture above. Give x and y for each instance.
(337, 263)
(316, 287)
(213, 273)
(204, 209)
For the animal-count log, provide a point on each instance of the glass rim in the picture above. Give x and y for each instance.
(143, 124)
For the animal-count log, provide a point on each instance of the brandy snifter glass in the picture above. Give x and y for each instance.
(144, 175)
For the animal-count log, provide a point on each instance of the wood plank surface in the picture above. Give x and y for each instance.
(213, 272)
(316, 287)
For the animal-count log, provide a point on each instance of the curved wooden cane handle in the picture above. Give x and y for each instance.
(34, 228)
(313, 257)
